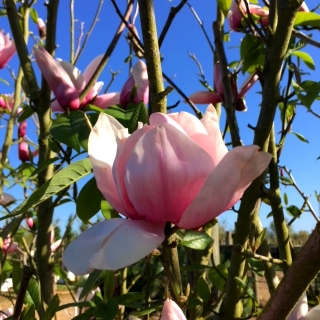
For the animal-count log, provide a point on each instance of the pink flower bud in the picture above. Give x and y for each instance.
(30, 222)
(7, 49)
(22, 131)
(42, 29)
(23, 149)
(8, 246)
(136, 88)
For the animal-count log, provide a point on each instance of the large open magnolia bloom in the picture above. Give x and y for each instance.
(300, 311)
(176, 169)
(7, 49)
(135, 89)
(66, 81)
(206, 97)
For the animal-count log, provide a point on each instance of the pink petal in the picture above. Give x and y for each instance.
(205, 97)
(55, 106)
(225, 185)
(313, 314)
(91, 68)
(56, 245)
(215, 145)
(125, 95)
(112, 245)
(255, 9)
(106, 100)
(247, 84)
(140, 75)
(102, 149)
(58, 80)
(164, 172)
(74, 74)
(301, 309)
(119, 171)
(7, 49)
(171, 311)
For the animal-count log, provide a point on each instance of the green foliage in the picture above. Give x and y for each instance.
(252, 52)
(52, 308)
(64, 178)
(218, 276)
(89, 200)
(203, 290)
(310, 19)
(130, 116)
(196, 240)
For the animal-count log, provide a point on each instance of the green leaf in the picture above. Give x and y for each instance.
(61, 130)
(34, 15)
(203, 290)
(224, 6)
(80, 128)
(218, 276)
(130, 117)
(257, 266)
(26, 113)
(285, 199)
(248, 290)
(143, 312)
(79, 304)
(33, 291)
(90, 283)
(107, 211)
(52, 308)
(44, 165)
(307, 91)
(106, 311)
(109, 283)
(307, 19)
(6, 270)
(306, 58)
(129, 297)
(64, 178)
(252, 53)
(89, 200)
(260, 238)
(293, 210)
(196, 240)
(300, 136)
(285, 180)
(28, 313)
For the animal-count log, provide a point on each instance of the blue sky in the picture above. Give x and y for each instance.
(184, 36)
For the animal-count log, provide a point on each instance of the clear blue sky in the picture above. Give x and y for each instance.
(184, 36)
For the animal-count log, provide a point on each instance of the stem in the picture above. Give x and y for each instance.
(250, 201)
(26, 276)
(277, 209)
(152, 55)
(296, 281)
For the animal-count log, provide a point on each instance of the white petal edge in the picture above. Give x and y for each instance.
(112, 245)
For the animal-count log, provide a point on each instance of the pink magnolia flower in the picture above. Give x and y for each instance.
(207, 97)
(54, 244)
(135, 89)
(8, 246)
(7, 49)
(300, 311)
(22, 130)
(6, 102)
(171, 311)
(238, 10)
(176, 169)
(66, 81)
